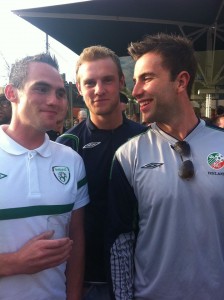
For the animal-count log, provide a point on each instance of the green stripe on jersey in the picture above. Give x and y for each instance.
(82, 182)
(39, 210)
(74, 139)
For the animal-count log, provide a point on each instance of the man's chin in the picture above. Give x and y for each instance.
(148, 118)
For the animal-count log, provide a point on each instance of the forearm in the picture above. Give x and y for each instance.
(75, 264)
(75, 275)
(8, 264)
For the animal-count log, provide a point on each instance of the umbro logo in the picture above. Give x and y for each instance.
(152, 165)
(91, 145)
(2, 175)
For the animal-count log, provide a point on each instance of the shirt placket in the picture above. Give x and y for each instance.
(33, 178)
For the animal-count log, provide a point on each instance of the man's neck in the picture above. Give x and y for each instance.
(107, 122)
(26, 138)
(179, 129)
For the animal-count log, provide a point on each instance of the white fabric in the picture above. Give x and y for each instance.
(29, 185)
(180, 244)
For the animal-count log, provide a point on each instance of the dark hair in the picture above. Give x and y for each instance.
(177, 53)
(98, 52)
(123, 98)
(220, 110)
(3, 98)
(19, 70)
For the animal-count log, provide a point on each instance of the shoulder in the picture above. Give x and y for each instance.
(75, 130)
(71, 137)
(64, 151)
(134, 124)
(132, 144)
(133, 127)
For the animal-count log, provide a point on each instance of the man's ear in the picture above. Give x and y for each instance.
(79, 88)
(11, 93)
(182, 80)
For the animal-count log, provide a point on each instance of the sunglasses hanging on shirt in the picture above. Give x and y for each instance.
(186, 170)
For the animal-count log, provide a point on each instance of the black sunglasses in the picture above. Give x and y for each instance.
(186, 170)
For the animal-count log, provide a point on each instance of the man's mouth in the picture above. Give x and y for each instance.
(144, 103)
(50, 111)
(100, 99)
(100, 102)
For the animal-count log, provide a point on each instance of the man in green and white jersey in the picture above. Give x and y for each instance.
(42, 188)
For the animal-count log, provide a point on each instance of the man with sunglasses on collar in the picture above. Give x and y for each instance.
(166, 206)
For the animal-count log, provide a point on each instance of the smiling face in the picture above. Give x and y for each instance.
(153, 89)
(99, 84)
(40, 102)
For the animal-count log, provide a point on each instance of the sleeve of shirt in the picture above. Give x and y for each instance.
(69, 140)
(82, 196)
(122, 229)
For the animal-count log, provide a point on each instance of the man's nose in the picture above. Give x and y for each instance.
(52, 98)
(99, 88)
(137, 90)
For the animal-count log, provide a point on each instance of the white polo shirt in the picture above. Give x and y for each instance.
(36, 184)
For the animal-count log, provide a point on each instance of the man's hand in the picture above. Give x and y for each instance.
(38, 254)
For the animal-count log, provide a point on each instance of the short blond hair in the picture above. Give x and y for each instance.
(98, 52)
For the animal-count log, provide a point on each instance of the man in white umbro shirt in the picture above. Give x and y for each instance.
(42, 188)
(166, 207)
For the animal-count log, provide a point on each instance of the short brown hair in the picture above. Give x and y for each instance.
(98, 52)
(177, 53)
(19, 70)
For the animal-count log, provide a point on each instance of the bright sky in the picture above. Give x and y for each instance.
(19, 38)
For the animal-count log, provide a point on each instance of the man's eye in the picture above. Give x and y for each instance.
(41, 89)
(61, 94)
(108, 79)
(89, 83)
(148, 78)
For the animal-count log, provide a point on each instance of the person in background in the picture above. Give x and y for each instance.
(58, 130)
(49, 183)
(136, 117)
(75, 121)
(123, 102)
(219, 121)
(220, 110)
(5, 110)
(165, 222)
(59, 127)
(82, 115)
(99, 80)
